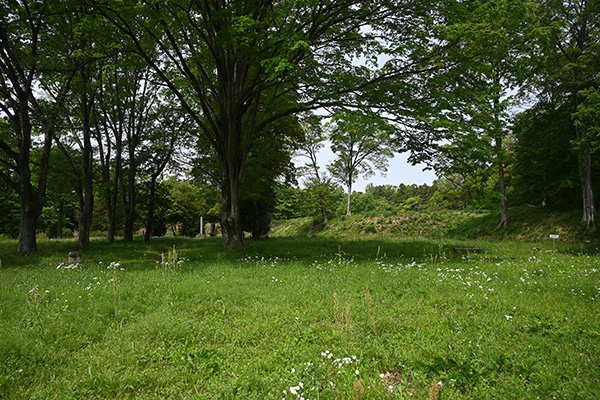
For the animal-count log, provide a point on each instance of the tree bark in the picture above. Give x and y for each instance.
(128, 198)
(31, 200)
(231, 221)
(87, 201)
(27, 227)
(323, 208)
(504, 216)
(589, 208)
(148, 233)
(349, 207)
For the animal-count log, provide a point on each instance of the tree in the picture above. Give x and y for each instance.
(32, 66)
(188, 206)
(110, 123)
(61, 202)
(85, 36)
(168, 128)
(571, 44)
(238, 66)
(362, 144)
(316, 182)
(471, 112)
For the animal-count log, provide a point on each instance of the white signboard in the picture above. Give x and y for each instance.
(553, 236)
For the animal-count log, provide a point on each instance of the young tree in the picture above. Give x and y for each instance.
(362, 144)
(316, 182)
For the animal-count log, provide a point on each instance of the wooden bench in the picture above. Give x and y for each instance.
(467, 249)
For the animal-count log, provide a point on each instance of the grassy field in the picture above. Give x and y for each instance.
(301, 317)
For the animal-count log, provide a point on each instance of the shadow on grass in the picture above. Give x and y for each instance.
(139, 255)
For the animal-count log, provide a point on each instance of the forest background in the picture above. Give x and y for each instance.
(125, 117)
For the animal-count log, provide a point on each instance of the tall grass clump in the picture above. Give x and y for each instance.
(167, 264)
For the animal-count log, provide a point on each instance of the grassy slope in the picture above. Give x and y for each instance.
(532, 224)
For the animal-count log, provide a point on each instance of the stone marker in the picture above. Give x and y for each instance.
(75, 257)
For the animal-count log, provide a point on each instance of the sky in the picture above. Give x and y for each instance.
(399, 171)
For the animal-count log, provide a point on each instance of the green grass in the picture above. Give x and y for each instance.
(371, 318)
(529, 223)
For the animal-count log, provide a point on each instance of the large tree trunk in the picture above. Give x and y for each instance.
(31, 200)
(231, 221)
(85, 218)
(30, 205)
(27, 228)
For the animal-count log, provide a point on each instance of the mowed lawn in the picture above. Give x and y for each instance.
(294, 318)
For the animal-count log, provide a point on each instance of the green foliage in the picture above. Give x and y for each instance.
(361, 144)
(188, 205)
(546, 169)
(587, 119)
(9, 211)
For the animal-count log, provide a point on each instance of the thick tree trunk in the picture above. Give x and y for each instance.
(231, 221)
(85, 222)
(31, 200)
(30, 206)
(27, 228)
